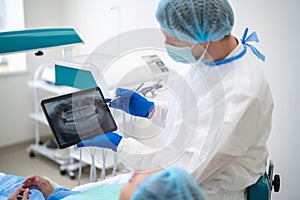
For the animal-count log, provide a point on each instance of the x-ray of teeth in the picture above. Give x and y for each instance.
(79, 116)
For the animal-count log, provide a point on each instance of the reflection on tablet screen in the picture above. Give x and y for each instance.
(78, 116)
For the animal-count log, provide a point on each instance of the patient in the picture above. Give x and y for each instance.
(171, 183)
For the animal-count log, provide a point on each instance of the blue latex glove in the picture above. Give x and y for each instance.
(132, 103)
(108, 140)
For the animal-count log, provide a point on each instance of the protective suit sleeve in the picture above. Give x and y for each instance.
(137, 156)
(160, 113)
(60, 193)
(216, 166)
(242, 125)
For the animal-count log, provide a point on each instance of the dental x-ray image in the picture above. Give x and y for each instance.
(78, 116)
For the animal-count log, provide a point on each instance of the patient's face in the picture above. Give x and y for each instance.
(133, 183)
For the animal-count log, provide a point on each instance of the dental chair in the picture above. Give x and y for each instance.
(262, 189)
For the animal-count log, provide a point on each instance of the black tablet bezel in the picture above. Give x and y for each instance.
(65, 96)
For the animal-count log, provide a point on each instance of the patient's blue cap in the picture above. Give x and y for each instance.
(196, 20)
(172, 183)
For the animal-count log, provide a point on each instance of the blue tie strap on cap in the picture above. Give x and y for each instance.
(252, 38)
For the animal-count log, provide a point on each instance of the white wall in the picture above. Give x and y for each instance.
(275, 22)
(100, 20)
(16, 97)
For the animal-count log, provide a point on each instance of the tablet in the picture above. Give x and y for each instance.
(78, 116)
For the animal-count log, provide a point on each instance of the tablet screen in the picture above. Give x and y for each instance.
(78, 116)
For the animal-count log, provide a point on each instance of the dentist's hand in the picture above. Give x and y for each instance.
(108, 140)
(132, 103)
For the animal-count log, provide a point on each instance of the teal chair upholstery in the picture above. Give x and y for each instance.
(262, 189)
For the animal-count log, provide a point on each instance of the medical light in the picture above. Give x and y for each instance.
(37, 39)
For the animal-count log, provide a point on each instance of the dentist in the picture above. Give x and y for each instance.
(218, 116)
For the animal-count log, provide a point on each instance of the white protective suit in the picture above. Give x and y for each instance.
(217, 121)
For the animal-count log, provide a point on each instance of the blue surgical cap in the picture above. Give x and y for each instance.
(196, 20)
(172, 183)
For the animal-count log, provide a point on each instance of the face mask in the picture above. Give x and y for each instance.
(181, 54)
(184, 54)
